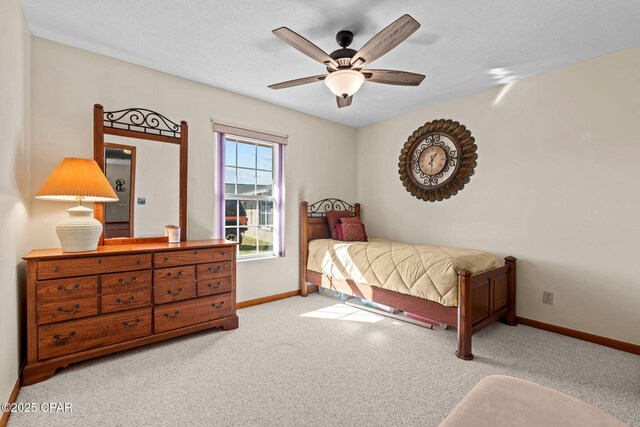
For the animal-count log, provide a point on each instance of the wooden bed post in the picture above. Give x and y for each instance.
(304, 236)
(465, 327)
(511, 318)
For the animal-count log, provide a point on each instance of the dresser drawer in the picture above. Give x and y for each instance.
(214, 286)
(173, 292)
(174, 276)
(66, 310)
(191, 312)
(192, 256)
(64, 289)
(54, 269)
(126, 300)
(126, 282)
(78, 335)
(214, 270)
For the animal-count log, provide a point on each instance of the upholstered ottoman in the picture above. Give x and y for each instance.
(498, 400)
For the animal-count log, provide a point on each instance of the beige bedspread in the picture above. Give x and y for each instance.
(427, 272)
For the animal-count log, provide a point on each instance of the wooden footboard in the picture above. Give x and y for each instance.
(483, 298)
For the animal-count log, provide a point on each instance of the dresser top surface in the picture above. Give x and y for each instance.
(128, 249)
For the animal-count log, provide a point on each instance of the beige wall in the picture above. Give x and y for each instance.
(66, 82)
(15, 42)
(556, 186)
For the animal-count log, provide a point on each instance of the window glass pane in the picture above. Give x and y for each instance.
(242, 215)
(251, 209)
(266, 213)
(265, 183)
(248, 241)
(265, 158)
(247, 182)
(265, 240)
(229, 153)
(230, 213)
(231, 233)
(229, 180)
(246, 155)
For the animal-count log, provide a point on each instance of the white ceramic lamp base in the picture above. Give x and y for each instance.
(80, 231)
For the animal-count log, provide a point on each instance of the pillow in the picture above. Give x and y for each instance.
(333, 217)
(351, 232)
(351, 220)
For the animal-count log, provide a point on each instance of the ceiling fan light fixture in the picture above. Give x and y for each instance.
(344, 83)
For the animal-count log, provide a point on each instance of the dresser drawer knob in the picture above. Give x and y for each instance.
(218, 305)
(168, 316)
(195, 252)
(61, 339)
(64, 289)
(100, 260)
(175, 276)
(216, 269)
(215, 286)
(130, 282)
(56, 269)
(133, 324)
(73, 310)
(139, 262)
(165, 259)
(224, 253)
(131, 299)
(173, 294)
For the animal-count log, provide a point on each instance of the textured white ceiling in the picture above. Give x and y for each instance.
(229, 44)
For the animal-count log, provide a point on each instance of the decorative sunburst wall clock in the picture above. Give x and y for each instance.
(437, 160)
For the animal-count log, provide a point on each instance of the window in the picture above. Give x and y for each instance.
(252, 190)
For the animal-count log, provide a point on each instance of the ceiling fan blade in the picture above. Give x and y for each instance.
(385, 40)
(298, 82)
(393, 77)
(305, 46)
(344, 102)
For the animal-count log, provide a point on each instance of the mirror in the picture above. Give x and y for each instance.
(146, 177)
(143, 155)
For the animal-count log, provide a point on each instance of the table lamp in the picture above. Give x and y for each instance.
(78, 180)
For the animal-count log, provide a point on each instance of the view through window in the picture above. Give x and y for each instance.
(251, 196)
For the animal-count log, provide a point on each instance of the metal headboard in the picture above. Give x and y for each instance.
(319, 209)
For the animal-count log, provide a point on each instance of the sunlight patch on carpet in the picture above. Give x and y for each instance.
(344, 312)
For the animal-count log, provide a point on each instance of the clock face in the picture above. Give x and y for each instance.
(437, 160)
(434, 160)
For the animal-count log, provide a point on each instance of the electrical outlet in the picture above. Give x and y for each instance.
(547, 297)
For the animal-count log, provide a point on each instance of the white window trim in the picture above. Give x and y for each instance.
(278, 143)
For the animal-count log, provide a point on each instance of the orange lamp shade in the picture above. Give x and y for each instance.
(77, 180)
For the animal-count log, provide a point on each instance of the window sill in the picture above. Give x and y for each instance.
(257, 258)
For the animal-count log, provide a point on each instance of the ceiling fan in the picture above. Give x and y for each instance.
(345, 65)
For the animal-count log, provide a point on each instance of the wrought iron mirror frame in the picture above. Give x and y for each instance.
(140, 123)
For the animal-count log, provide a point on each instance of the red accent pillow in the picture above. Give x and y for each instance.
(352, 232)
(333, 217)
(351, 220)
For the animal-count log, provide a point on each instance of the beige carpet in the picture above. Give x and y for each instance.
(313, 362)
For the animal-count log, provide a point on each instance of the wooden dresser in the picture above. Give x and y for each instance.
(85, 305)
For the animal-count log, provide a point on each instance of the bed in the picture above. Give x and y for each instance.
(464, 288)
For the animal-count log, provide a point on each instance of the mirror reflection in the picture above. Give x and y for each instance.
(146, 177)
